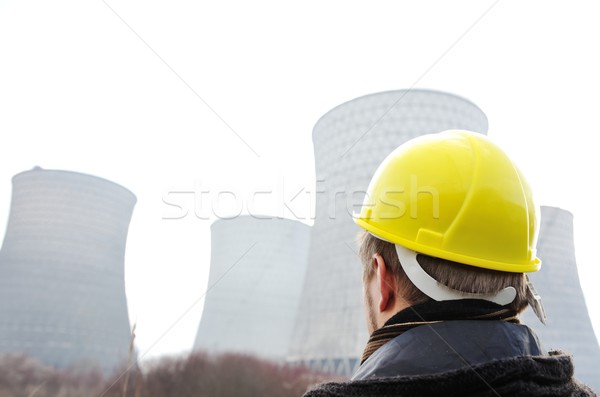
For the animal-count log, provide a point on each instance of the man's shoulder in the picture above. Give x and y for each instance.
(450, 345)
(516, 376)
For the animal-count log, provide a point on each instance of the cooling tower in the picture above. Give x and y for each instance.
(350, 141)
(568, 326)
(256, 272)
(62, 291)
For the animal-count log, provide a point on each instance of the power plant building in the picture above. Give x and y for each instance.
(350, 141)
(568, 325)
(62, 289)
(256, 272)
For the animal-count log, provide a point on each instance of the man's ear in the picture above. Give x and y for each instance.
(386, 283)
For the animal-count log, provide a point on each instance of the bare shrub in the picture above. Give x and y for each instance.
(195, 375)
(24, 376)
(200, 375)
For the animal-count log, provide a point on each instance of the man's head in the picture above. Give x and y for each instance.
(387, 289)
(447, 216)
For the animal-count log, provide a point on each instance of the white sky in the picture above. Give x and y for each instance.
(145, 96)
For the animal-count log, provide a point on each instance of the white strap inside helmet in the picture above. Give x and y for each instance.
(439, 292)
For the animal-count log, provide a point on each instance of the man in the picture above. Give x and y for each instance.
(450, 231)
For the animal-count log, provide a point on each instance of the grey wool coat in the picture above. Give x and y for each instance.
(462, 358)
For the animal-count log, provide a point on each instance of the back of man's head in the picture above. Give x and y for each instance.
(459, 277)
(451, 217)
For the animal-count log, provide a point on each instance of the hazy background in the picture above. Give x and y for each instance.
(180, 96)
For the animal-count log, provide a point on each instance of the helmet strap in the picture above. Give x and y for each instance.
(535, 301)
(439, 292)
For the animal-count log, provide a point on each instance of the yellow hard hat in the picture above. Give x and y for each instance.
(455, 195)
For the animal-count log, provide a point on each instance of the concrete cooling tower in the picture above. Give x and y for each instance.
(568, 326)
(350, 141)
(256, 271)
(62, 291)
